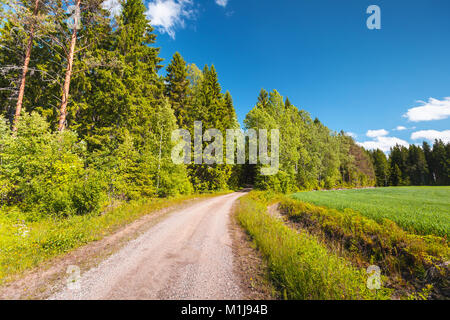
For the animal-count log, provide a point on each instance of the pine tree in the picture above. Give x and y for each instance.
(69, 69)
(25, 66)
(22, 22)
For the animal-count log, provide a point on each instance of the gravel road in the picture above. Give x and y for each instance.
(186, 256)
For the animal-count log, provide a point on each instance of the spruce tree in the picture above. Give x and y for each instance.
(211, 99)
(440, 162)
(429, 159)
(417, 166)
(395, 178)
(215, 110)
(177, 88)
(127, 89)
(263, 98)
(381, 167)
(287, 102)
(229, 117)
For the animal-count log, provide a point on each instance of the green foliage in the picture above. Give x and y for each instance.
(311, 156)
(414, 165)
(214, 110)
(439, 163)
(45, 173)
(121, 113)
(380, 164)
(300, 265)
(177, 88)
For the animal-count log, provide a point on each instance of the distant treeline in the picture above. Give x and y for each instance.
(416, 165)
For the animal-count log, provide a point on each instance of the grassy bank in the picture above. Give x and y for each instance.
(422, 210)
(301, 266)
(409, 259)
(26, 245)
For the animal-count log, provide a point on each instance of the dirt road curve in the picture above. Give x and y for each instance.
(186, 256)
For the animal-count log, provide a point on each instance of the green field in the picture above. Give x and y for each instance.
(423, 210)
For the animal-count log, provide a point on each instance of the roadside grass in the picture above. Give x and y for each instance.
(405, 257)
(300, 266)
(421, 210)
(26, 245)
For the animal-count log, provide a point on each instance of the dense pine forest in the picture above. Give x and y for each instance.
(87, 115)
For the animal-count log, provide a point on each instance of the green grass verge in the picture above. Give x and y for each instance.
(299, 264)
(422, 210)
(366, 241)
(26, 245)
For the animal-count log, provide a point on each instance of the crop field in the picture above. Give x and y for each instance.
(421, 210)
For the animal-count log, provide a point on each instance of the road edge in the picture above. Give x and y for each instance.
(248, 263)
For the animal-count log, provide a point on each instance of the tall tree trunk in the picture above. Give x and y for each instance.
(66, 87)
(25, 69)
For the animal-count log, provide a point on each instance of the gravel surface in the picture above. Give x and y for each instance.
(186, 256)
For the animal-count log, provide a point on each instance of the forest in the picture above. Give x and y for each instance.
(416, 165)
(87, 112)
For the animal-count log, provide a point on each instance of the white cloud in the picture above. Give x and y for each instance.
(113, 6)
(432, 135)
(383, 143)
(400, 128)
(167, 15)
(351, 134)
(222, 3)
(432, 110)
(377, 133)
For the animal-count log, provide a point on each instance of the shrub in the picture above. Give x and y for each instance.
(45, 173)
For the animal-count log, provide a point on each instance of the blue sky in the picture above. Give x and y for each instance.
(321, 55)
